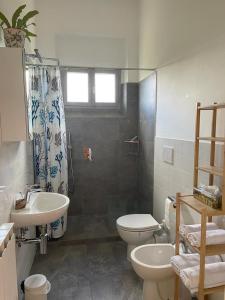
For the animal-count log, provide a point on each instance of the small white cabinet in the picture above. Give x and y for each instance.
(13, 107)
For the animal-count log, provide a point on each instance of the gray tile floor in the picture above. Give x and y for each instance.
(82, 227)
(91, 271)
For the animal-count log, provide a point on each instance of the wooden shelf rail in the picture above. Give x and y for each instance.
(213, 107)
(205, 211)
(212, 170)
(213, 139)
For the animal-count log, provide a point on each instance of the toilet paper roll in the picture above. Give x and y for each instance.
(170, 214)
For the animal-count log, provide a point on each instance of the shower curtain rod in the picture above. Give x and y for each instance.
(40, 65)
(41, 58)
(107, 68)
(38, 56)
(98, 68)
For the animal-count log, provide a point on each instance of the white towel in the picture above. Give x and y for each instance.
(212, 237)
(214, 276)
(183, 261)
(185, 229)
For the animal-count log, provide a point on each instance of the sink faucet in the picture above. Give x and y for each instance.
(31, 189)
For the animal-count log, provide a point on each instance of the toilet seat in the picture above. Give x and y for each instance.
(137, 223)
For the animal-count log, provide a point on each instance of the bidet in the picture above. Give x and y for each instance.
(152, 263)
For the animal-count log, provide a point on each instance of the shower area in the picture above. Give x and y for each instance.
(118, 179)
(106, 147)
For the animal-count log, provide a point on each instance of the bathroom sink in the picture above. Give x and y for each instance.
(42, 208)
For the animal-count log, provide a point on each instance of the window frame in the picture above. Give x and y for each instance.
(91, 104)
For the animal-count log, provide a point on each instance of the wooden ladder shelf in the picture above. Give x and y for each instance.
(204, 210)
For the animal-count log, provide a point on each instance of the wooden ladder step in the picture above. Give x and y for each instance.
(212, 139)
(215, 289)
(212, 107)
(199, 206)
(211, 170)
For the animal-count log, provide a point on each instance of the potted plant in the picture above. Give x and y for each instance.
(17, 31)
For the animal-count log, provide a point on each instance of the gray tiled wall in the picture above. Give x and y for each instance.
(108, 184)
(147, 111)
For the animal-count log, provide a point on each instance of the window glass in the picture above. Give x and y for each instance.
(77, 87)
(105, 88)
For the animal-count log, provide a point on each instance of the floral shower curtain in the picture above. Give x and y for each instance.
(47, 123)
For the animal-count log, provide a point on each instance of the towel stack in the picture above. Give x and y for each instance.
(183, 261)
(214, 276)
(187, 265)
(192, 233)
(186, 229)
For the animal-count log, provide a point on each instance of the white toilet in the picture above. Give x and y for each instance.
(136, 229)
(152, 262)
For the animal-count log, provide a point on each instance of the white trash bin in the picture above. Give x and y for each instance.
(37, 287)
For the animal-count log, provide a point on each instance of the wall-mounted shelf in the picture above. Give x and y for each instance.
(13, 107)
(132, 142)
(134, 146)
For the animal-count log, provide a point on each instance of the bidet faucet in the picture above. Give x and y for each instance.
(183, 246)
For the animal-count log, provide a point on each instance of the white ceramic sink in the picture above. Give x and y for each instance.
(42, 208)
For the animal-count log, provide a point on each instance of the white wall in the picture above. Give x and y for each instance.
(182, 84)
(8, 8)
(101, 33)
(170, 30)
(185, 40)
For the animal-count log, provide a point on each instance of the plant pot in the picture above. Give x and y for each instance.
(14, 37)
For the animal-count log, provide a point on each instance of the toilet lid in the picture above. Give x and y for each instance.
(137, 222)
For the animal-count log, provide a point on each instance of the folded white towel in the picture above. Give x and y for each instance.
(212, 237)
(214, 276)
(183, 261)
(185, 229)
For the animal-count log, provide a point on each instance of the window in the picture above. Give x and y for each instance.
(91, 88)
(77, 87)
(105, 88)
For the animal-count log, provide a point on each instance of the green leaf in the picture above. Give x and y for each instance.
(27, 37)
(28, 33)
(29, 15)
(34, 24)
(19, 24)
(4, 20)
(16, 15)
